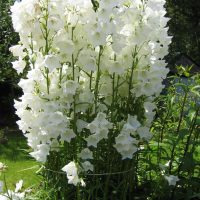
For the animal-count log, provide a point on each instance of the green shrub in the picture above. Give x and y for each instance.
(176, 135)
(7, 38)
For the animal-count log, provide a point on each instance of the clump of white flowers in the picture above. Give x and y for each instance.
(93, 74)
(14, 195)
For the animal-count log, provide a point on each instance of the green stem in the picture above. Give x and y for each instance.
(164, 125)
(60, 76)
(177, 131)
(73, 61)
(195, 139)
(6, 187)
(46, 36)
(160, 139)
(77, 144)
(47, 48)
(96, 91)
(188, 141)
(91, 81)
(78, 193)
(47, 80)
(113, 98)
(136, 170)
(134, 64)
(73, 68)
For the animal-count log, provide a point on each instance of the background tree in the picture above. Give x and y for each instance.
(8, 76)
(7, 38)
(184, 26)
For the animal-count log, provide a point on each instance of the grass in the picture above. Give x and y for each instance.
(20, 165)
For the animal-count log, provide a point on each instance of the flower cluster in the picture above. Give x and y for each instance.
(93, 71)
(99, 129)
(17, 194)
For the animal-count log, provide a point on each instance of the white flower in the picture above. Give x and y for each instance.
(51, 62)
(149, 112)
(1, 187)
(96, 35)
(15, 195)
(87, 166)
(65, 47)
(41, 153)
(19, 66)
(72, 174)
(132, 124)
(70, 169)
(126, 145)
(86, 154)
(67, 135)
(81, 125)
(92, 140)
(116, 67)
(17, 50)
(19, 186)
(100, 128)
(87, 60)
(126, 152)
(144, 133)
(3, 197)
(167, 163)
(172, 180)
(70, 87)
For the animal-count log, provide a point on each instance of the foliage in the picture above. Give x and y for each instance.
(7, 38)
(3, 138)
(176, 136)
(1, 134)
(184, 26)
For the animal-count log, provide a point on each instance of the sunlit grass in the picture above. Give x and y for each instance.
(20, 165)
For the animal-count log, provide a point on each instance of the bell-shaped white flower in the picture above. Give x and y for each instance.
(86, 154)
(51, 62)
(87, 166)
(132, 124)
(71, 170)
(19, 66)
(144, 133)
(172, 180)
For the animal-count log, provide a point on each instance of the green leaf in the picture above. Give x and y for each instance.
(188, 163)
(183, 133)
(183, 86)
(198, 121)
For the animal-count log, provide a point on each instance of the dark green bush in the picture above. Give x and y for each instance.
(7, 38)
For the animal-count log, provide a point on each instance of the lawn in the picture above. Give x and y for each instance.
(20, 165)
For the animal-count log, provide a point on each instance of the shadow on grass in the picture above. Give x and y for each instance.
(16, 148)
